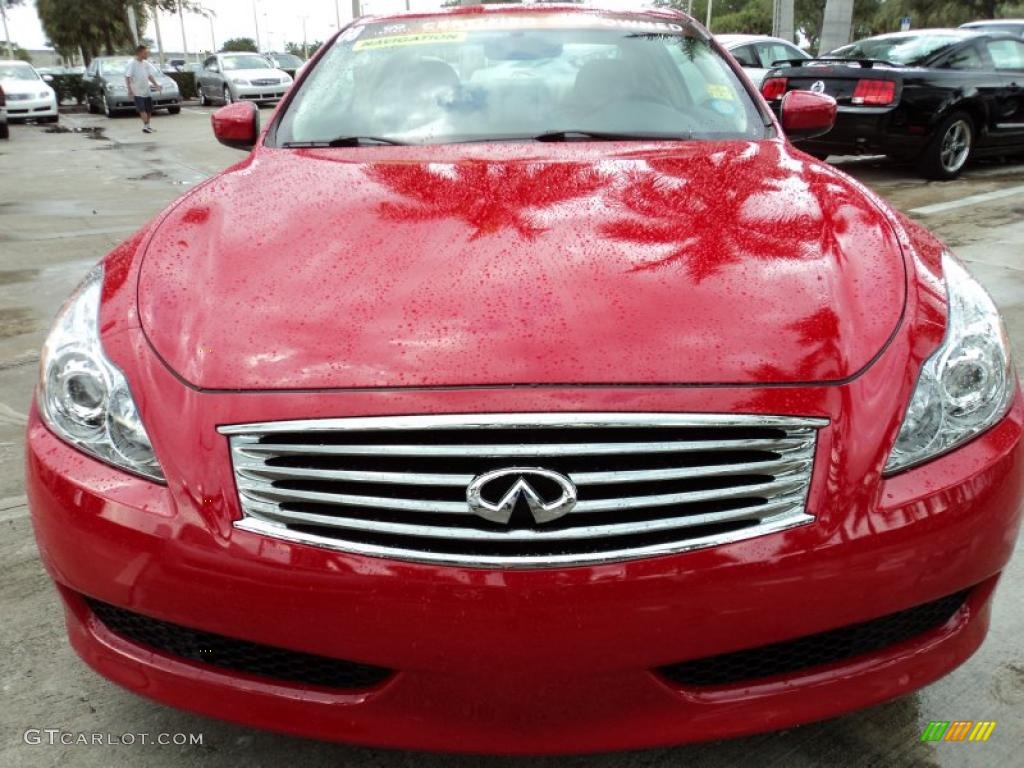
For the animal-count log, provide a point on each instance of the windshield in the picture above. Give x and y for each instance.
(899, 49)
(17, 72)
(517, 76)
(245, 62)
(286, 60)
(114, 66)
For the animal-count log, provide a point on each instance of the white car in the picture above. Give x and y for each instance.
(29, 97)
(229, 77)
(1012, 26)
(758, 53)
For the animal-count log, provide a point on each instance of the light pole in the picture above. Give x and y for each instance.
(184, 43)
(7, 33)
(159, 39)
(256, 19)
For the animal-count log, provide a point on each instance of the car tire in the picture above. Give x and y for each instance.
(948, 149)
(5, 131)
(228, 98)
(173, 110)
(105, 107)
(203, 101)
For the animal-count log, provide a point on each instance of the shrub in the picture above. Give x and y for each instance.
(69, 87)
(186, 83)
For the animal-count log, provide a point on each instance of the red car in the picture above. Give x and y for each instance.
(560, 406)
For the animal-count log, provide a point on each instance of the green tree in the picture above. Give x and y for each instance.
(237, 44)
(97, 26)
(295, 49)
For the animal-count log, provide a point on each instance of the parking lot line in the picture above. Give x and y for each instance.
(963, 202)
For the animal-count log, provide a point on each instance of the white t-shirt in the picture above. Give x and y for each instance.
(138, 73)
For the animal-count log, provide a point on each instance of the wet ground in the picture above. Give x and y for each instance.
(68, 196)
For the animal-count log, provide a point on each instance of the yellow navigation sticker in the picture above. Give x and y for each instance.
(719, 91)
(396, 41)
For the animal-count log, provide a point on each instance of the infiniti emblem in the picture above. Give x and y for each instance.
(494, 495)
(818, 86)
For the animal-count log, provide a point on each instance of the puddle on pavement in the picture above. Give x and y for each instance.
(15, 321)
(11, 276)
(151, 176)
(97, 132)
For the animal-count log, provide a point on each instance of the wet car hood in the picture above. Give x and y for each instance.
(21, 87)
(738, 262)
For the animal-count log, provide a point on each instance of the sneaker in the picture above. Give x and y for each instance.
(147, 129)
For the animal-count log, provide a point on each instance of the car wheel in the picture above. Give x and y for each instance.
(203, 101)
(5, 132)
(173, 110)
(105, 106)
(949, 148)
(228, 98)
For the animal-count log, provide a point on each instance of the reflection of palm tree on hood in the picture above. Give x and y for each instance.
(712, 209)
(488, 196)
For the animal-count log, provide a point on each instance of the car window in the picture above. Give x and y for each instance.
(746, 56)
(17, 72)
(244, 62)
(1006, 54)
(210, 64)
(772, 52)
(513, 76)
(110, 67)
(966, 58)
(898, 48)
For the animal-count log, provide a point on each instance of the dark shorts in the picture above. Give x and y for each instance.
(144, 104)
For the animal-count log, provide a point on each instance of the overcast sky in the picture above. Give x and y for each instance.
(280, 21)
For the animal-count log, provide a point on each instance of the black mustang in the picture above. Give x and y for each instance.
(932, 96)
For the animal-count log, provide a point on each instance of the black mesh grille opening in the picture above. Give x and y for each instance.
(815, 650)
(238, 655)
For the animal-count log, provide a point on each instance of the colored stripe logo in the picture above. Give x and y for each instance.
(958, 730)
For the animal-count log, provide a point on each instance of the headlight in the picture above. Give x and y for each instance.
(114, 87)
(45, 94)
(83, 397)
(239, 81)
(966, 386)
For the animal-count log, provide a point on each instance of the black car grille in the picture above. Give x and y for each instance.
(814, 650)
(237, 655)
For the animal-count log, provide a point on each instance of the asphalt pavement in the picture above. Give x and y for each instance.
(68, 195)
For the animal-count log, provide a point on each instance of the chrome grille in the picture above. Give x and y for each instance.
(266, 81)
(647, 484)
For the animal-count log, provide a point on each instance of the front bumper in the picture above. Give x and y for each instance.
(264, 93)
(30, 109)
(530, 661)
(123, 102)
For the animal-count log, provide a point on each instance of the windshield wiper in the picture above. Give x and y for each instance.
(344, 141)
(577, 135)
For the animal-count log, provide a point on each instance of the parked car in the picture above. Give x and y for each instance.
(29, 96)
(107, 91)
(5, 132)
(759, 53)
(539, 415)
(286, 62)
(229, 77)
(1010, 26)
(937, 97)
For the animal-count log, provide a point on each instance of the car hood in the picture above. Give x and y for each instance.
(727, 263)
(256, 74)
(20, 87)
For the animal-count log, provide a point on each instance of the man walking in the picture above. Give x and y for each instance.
(138, 77)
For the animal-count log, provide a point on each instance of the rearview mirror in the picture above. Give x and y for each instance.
(806, 114)
(47, 78)
(237, 125)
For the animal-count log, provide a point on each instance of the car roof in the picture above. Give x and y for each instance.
(623, 7)
(15, 61)
(991, 22)
(960, 32)
(728, 40)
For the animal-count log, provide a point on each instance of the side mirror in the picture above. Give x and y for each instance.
(806, 114)
(237, 125)
(48, 78)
